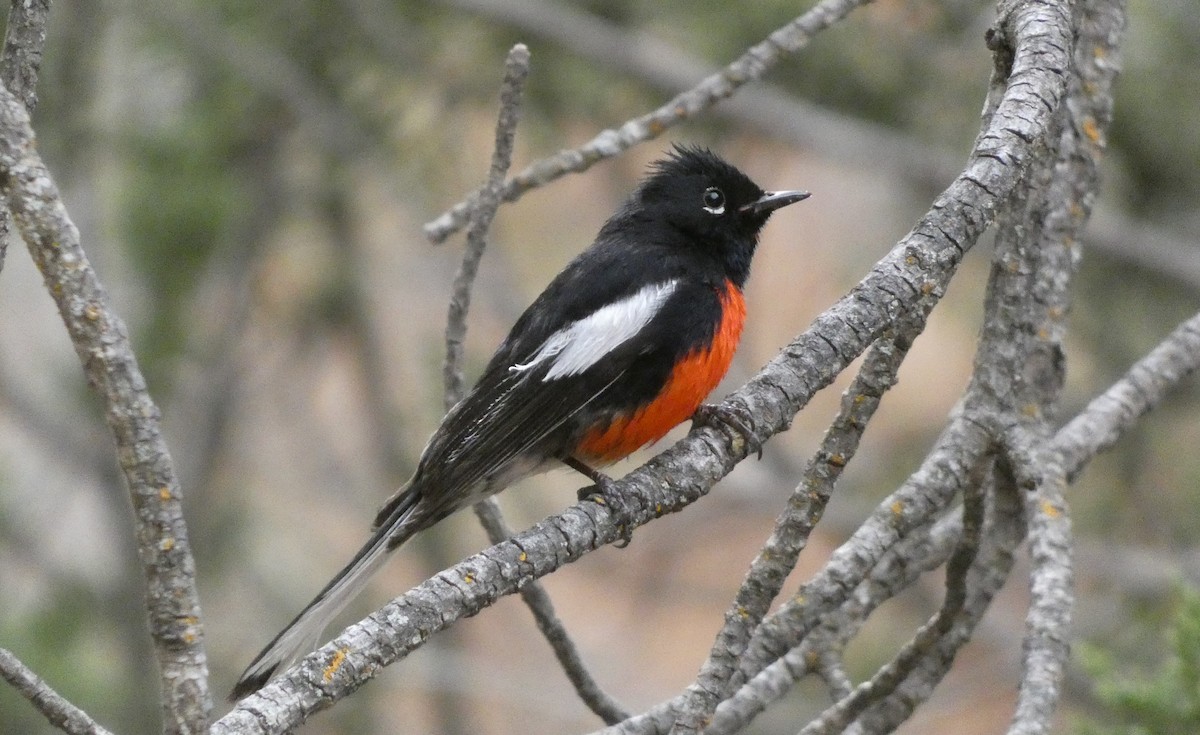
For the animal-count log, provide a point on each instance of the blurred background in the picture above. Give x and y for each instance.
(250, 180)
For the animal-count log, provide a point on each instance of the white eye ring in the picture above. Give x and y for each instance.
(714, 200)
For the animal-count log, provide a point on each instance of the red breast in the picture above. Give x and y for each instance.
(691, 380)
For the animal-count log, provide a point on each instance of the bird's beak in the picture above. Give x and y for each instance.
(773, 200)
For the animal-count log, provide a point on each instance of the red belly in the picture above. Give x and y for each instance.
(693, 378)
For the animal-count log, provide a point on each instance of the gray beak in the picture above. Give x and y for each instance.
(772, 200)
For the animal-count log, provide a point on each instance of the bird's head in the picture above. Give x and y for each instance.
(697, 199)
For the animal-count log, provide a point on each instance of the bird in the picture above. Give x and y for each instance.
(624, 344)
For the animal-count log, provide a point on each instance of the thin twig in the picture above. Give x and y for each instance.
(488, 511)
(1115, 411)
(61, 713)
(102, 344)
(889, 677)
(516, 69)
(749, 67)
(539, 603)
(761, 107)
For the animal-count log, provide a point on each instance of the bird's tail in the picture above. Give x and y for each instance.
(304, 632)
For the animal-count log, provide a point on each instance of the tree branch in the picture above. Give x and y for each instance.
(24, 39)
(61, 713)
(1041, 477)
(537, 599)
(1106, 419)
(761, 106)
(102, 344)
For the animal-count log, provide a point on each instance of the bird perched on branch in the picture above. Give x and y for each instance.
(622, 346)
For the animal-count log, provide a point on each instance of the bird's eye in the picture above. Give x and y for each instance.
(714, 201)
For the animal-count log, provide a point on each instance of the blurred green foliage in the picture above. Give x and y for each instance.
(1165, 701)
(178, 196)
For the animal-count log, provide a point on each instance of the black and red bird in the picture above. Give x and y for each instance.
(622, 346)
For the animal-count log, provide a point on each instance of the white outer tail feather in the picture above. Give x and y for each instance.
(304, 632)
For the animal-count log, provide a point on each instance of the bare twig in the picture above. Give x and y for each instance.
(747, 68)
(891, 675)
(516, 69)
(1040, 474)
(61, 713)
(101, 341)
(760, 107)
(1106, 419)
(538, 601)
(488, 511)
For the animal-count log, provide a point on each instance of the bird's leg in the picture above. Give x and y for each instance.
(733, 421)
(604, 492)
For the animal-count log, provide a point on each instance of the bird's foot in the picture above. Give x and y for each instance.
(605, 493)
(733, 421)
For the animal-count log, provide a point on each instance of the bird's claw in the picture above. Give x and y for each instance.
(733, 421)
(604, 493)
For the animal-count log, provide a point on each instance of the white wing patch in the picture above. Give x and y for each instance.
(579, 345)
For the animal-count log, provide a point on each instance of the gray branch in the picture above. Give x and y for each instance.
(61, 713)
(762, 106)
(516, 70)
(24, 40)
(1042, 478)
(101, 341)
(1113, 413)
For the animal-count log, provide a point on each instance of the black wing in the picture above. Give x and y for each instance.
(511, 412)
(515, 415)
